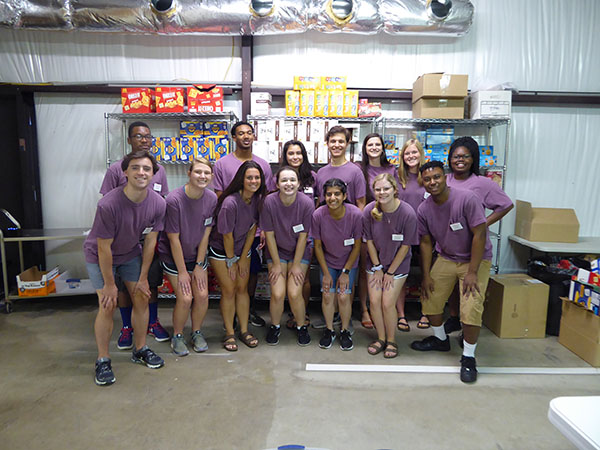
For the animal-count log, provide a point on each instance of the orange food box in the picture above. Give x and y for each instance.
(169, 99)
(205, 98)
(138, 100)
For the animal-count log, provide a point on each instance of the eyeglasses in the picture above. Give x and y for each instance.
(459, 157)
(142, 137)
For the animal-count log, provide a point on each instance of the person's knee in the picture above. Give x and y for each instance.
(185, 300)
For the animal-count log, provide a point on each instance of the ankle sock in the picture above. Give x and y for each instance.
(439, 332)
(469, 349)
(152, 312)
(126, 316)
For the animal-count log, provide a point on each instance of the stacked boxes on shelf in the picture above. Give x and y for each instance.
(321, 97)
(167, 99)
(585, 290)
(437, 143)
(439, 96)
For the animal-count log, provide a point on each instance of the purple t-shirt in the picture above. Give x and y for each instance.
(333, 233)
(115, 177)
(188, 217)
(450, 224)
(226, 168)
(348, 173)
(125, 222)
(491, 195)
(373, 171)
(237, 217)
(287, 222)
(413, 194)
(394, 230)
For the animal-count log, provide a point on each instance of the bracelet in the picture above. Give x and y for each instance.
(376, 268)
(346, 271)
(390, 274)
(203, 264)
(231, 261)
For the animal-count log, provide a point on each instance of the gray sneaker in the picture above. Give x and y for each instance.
(178, 345)
(200, 344)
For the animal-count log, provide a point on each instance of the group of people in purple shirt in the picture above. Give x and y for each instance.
(360, 223)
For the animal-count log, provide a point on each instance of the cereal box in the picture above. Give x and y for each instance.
(191, 128)
(333, 83)
(187, 148)
(310, 83)
(321, 103)
(169, 99)
(336, 103)
(205, 98)
(170, 148)
(307, 103)
(350, 103)
(137, 100)
(292, 103)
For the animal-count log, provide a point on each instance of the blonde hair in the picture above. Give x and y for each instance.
(376, 212)
(402, 170)
(200, 160)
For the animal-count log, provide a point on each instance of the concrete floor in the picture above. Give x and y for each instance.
(263, 398)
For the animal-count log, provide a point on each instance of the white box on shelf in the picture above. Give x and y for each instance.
(260, 103)
(261, 149)
(494, 104)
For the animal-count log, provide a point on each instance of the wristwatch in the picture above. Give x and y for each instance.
(346, 271)
(376, 268)
(203, 264)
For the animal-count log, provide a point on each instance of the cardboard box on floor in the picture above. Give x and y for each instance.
(34, 282)
(546, 224)
(516, 306)
(580, 332)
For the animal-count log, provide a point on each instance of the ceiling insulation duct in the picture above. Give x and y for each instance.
(241, 17)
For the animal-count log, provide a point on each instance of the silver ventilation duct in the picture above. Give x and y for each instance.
(241, 17)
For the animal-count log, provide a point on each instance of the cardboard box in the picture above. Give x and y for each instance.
(170, 148)
(260, 103)
(546, 224)
(205, 98)
(138, 100)
(336, 103)
(292, 103)
(580, 332)
(440, 85)
(191, 128)
(169, 99)
(34, 282)
(187, 148)
(439, 108)
(486, 104)
(333, 83)
(310, 83)
(156, 149)
(516, 306)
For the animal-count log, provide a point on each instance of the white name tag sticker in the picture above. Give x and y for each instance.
(397, 237)
(456, 226)
(157, 187)
(426, 195)
(308, 190)
(147, 230)
(208, 221)
(348, 242)
(298, 228)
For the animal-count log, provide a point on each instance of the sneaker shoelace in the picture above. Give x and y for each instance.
(126, 332)
(104, 367)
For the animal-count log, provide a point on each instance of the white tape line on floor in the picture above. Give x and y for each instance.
(451, 369)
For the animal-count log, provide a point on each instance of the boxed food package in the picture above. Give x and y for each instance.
(580, 332)
(336, 103)
(170, 148)
(138, 100)
(333, 83)
(156, 149)
(215, 128)
(191, 128)
(546, 224)
(439, 108)
(586, 295)
(367, 109)
(585, 276)
(292, 103)
(169, 99)
(321, 103)
(205, 98)
(307, 103)
(490, 104)
(351, 103)
(311, 83)
(488, 161)
(516, 306)
(495, 176)
(34, 282)
(213, 147)
(440, 84)
(260, 103)
(187, 148)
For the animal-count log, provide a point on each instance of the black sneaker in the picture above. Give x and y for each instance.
(104, 373)
(273, 335)
(303, 336)
(256, 320)
(146, 356)
(431, 343)
(452, 324)
(468, 369)
(327, 338)
(346, 340)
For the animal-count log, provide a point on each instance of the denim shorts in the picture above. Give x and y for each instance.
(335, 274)
(285, 261)
(128, 271)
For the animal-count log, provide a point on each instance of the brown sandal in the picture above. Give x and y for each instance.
(391, 350)
(403, 326)
(377, 348)
(249, 339)
(229, 343)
